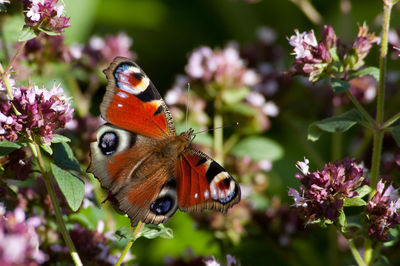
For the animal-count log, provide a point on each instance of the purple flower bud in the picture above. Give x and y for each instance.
(329, 37)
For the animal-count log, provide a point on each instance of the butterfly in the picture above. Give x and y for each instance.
(138, 157)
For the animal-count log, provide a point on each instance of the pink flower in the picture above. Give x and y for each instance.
(41, 112)
(224, 67)
(18, 239)
(382, 211)
(323, 192)
(45, 14)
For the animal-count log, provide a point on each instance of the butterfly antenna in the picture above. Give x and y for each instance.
(211, 129)
(187, 105)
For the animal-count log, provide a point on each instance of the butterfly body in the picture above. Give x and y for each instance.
(138, 157)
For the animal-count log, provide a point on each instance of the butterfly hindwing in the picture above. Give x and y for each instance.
(133, 103)
(204, 184)
(129, 167)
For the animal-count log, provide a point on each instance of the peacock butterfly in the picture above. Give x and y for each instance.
(140, 160)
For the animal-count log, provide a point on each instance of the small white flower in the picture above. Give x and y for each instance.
(299, 201)
(303, 166)
(96, 43)
(255, 98)
(33, 13)
(59, 9)
(270, 109)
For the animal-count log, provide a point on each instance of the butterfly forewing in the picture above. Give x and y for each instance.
(133, 103)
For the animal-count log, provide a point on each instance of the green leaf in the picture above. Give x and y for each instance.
(6, 147)
(258, 148)
(49, 32)
(60, 138)
(372, 71)
(342, 221)
(362, 191)
(27, 34)
(46, 148)
(240, 108)
(235, 96)
(72, 187)
(124, 232)
(339, 85)
(396, 134)
(64, 157)
(151, 231)
(340, 123)
(354, 202)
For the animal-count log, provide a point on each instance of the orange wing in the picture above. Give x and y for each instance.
(133, 103)
(202, 183)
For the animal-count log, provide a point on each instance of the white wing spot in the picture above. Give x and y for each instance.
(196, 195)
(119, 105)
(206, 194)
(122, 94)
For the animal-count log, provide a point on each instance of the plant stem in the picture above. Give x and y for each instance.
(308, 9)
(378, 132)
(391, 120)
(361, 109)
(6, 82)
(138, 228)
(15, 56)
(355, 253)
(74, 254)
(218, 133)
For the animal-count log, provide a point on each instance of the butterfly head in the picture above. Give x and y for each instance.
(188, 137)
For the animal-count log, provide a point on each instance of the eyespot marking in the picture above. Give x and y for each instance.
(108, 143)
(161, 206)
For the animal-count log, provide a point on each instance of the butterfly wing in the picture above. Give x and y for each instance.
(128, 166)
(202, 183)
(133, 103)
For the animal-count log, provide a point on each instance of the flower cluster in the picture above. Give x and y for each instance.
(223, 67)
(382, 211)
(18, 239)
(46, 15)
(34, 113)
(93, 247)
(318, 59)
(322, 193)
(101, 51)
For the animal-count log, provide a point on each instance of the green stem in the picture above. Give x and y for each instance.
(387, 8)
(391, 120)
(6, 82)
(15, 56)
(218, 132)
(361, 109)
(355, 253)
(74, 254)
(308, 9)
(128, 245)
(368, 250)
(378, 132)
(376, 252)
(376, 159)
